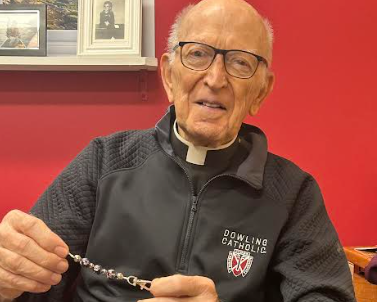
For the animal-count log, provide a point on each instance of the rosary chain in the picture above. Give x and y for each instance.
(110, 273)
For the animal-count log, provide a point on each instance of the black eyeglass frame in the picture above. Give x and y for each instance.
(222, 52)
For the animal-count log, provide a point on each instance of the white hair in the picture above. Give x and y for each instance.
(174, 33)
(270, 36)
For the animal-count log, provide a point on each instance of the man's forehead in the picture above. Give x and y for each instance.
(210, 3)
(225, 8)
(234, 22)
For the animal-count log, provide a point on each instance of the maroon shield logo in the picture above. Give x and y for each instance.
(239, 262)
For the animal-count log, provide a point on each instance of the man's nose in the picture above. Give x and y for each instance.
(216, 75)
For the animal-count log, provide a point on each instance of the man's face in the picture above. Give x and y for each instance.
(211, 105)
(107, 7)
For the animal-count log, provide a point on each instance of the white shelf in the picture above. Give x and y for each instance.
(75, 63)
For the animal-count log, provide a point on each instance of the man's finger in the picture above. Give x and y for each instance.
(16, 282)
(9, 293)
(38, 231)
(182, 286)
(28, 248)
(19, 265)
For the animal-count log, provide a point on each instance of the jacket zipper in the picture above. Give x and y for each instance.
(194, 204)
(194, 208)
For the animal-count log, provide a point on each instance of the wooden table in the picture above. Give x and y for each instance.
(365, 291)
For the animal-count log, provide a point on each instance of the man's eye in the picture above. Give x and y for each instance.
(197, 53)
(240, 62)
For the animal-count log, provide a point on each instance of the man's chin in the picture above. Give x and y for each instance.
(207, 137)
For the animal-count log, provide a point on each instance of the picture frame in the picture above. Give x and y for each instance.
(109, 27)
(23, 30)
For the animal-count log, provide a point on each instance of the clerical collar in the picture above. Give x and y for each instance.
(199, 155)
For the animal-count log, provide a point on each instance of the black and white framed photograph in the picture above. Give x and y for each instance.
(23, 30)
(106, 25)
(109, 27)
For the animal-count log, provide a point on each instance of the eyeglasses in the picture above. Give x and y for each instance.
(238, 63)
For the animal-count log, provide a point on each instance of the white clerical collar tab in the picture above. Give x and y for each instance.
(197, 154)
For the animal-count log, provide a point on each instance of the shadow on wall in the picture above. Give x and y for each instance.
(69, 88)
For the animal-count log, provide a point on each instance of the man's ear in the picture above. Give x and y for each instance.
(263, 93)
(165, 67)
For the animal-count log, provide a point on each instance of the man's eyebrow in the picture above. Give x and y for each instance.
(253, 50)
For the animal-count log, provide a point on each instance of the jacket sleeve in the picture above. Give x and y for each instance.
(68, 207)
(309, 259)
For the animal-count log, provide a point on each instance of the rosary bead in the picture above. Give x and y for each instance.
(120, 276)
(111, 274)
(97, 268)
(103, 271)
(91, 265)
(85, 262)
(77, 258)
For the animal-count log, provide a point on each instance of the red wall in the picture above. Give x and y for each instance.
(320, 114)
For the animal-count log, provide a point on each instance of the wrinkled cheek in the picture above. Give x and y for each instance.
(251, 96)
(180, 97)
(180, 93)
(182, 108)
(182, 102)
(238, 116)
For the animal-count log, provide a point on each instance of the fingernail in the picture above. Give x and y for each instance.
(62, 252)
(62, 266)
(55, 278)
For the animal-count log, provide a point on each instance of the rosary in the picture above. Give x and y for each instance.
(111, 274)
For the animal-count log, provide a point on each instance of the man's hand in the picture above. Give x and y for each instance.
(180, 288)
(32, 257)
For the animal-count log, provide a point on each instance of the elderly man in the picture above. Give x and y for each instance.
(197, 204)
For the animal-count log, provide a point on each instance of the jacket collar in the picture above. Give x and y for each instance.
(253, 139)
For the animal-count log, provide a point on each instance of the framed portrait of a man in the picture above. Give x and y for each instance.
(23, 30)
(109, 27)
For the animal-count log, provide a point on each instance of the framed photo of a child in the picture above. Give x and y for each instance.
(23, 30)
(109, 27)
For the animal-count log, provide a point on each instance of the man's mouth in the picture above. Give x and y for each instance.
(212, 105)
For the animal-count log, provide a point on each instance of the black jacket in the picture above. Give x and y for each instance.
(260, 230)
(107, 17)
